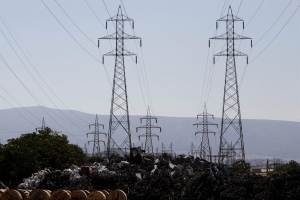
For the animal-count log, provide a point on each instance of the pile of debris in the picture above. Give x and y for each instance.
(183, 177)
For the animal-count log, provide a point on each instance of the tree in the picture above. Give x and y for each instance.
(292, 165)
(241, 167)
(33, 152)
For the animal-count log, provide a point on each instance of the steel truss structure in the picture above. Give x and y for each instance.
(119, 125)
(231, 126)
(96, 141)
(205, 149)
(148, 140)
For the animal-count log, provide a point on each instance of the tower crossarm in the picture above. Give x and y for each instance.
(230, 17)
(120, 17)
(113, 37)
(152, 135)
(205, 114)
(204, 123)
(235, 36)
(115, 53)
(97, 124)
(145, 126)
(148, 117)
(235, 53)
(205, 132)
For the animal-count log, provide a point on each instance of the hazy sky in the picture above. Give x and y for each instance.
(174, 63)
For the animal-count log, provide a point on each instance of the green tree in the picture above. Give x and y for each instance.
(241, 167)
(32, 152)
(288, 166)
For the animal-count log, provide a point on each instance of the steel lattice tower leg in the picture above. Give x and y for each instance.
(231, 126)
(96, 141)
(119, 113)
(148, 142)
(42, 127)
(205, 150)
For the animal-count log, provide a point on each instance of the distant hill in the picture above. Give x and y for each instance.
(270, 138)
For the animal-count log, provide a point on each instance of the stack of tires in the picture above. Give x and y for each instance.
(62, 195)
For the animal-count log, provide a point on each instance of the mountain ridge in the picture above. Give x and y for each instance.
(262, 138)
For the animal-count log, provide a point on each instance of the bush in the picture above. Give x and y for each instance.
(32, 152)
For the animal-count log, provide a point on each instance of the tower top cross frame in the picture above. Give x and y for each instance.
(119, 134)
(231, 125)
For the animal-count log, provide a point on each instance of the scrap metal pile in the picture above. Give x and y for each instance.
(161, 178)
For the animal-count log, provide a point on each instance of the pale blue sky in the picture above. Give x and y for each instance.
(175, 51)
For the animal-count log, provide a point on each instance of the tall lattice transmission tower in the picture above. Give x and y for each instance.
(149, 127)
(119, 125)
(194, 152)
(42, 127)
(96, 140)
(205, 149)
(231, 126)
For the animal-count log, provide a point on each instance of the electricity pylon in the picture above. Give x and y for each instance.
(42, 127)
(205, 150)
(96, 141)
(231, 126)
(194, 152)
(119, 113)
(169, 151)
(148, 141)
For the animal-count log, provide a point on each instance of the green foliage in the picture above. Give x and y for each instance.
(31, 152)
(288, 166)
(241, 167)
(95, 159)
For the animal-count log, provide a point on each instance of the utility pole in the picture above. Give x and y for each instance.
(96, 141)
(119, 125)
(42, 127)
(148, 142)
(267, 167)
(205, 150)
(231, 126)
(163, 149)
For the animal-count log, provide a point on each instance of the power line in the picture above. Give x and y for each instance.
(75, 24)
(39, 76)
(273, 23)
(69, 33)
(17, 111)
(19, 103)
(150, 101)
(275, 36)
(146, 91)
(94, 13)
(32, 95)
(239, 8)
(254, 13)
(38, 64)
(37, 82)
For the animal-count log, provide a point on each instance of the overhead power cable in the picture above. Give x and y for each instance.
(273, 23)
(20, 104)
(239, 7)
(37, 63)
(254, 13)
(69, 33)
(40, 77)
(146, 86)
(68, 120)
(94, 13)
(275, 36)
(32, 95)
(17, 110)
